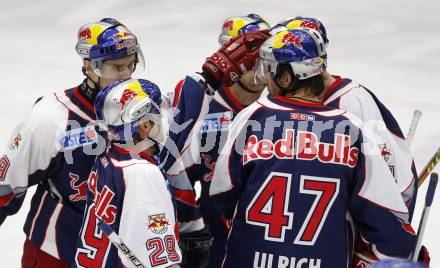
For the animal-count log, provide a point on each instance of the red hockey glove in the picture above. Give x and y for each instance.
(234, 59)
(424, 256)
(362, 255)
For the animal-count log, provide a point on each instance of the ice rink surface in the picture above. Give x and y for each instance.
(392, 47)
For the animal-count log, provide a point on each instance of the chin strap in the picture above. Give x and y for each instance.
(95, 84)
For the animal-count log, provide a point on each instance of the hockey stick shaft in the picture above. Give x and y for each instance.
(117, 241)
(429, 167)
(412, 129)
(423, 221)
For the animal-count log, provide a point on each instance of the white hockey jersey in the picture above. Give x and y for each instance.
(132, 197)
(353, 97)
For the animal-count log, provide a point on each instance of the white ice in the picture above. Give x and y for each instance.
(392, 47)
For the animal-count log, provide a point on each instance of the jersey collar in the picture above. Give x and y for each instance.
(335, 86)
(143, 155)
(226, 94)
(296, 102)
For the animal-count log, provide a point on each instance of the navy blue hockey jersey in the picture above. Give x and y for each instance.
(54, 148)
(191, 104)
(212, 136)
(296, 178)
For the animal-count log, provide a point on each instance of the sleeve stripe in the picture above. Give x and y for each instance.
(4, 200)
(185, 196)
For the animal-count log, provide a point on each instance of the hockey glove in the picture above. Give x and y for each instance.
(364, 257)
(195, 248)
(234, 59)
(424, 256)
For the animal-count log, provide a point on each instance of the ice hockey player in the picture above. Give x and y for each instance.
(126, 189)
(54, 148)
(294, 187)
(225, 104)
(226, 73)
(344, 93)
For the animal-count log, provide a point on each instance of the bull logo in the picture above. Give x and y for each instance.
(290, 38)
(127, 96)
(209, 164)
(228, 26)
(385, 152)
(85, 34)
(79, 188)
(15, 143)
(157, 223)
(121, 35)
(310, 25)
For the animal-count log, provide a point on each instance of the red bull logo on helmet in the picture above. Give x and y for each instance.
(85, 34)
(127, 96)
(121, 35)
(228, 25)
(311, 25)
(157, 223)
(290, 38)
(234, 25)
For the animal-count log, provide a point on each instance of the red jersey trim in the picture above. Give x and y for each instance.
(87, 104)
(144, 155)
(232, 98)
(299, 102)
(328, 91)
(177, 91)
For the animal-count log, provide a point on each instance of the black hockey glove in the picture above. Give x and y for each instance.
(195, 248)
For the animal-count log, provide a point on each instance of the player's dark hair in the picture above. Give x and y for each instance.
(313, 86)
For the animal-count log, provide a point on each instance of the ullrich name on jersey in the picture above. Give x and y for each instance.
(304, 146)
(267, 260)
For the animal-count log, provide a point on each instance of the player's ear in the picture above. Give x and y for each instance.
(145, 128)
(87, 65)
(285, 79)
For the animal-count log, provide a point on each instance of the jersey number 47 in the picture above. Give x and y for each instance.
(269, 207)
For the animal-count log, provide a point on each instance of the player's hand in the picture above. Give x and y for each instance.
(234, 58)
(362, 255)
(363, 259)
(424, 256)
(195, 248)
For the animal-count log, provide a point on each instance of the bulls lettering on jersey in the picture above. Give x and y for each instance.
(296, 187)
(131, 196)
